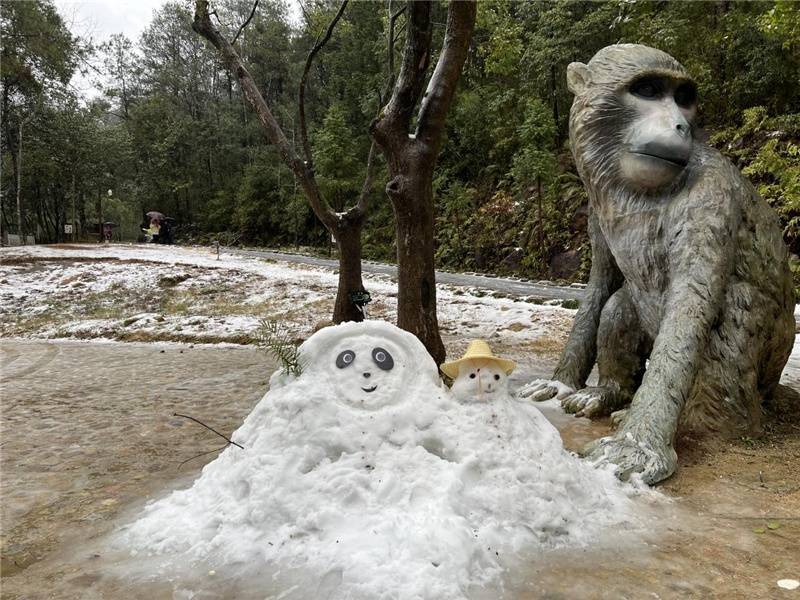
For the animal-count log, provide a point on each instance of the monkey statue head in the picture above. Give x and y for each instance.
(632, 120)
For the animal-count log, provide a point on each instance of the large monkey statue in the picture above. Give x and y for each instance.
(689, 306)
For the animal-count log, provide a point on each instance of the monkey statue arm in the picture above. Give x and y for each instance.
(578, 356)
(701, 259)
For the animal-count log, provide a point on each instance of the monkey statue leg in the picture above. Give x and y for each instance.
(621, 354)
(579, 355)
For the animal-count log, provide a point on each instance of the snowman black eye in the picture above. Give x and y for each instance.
(345, 359)
(497, 377)
(383, 359)
(472, 375)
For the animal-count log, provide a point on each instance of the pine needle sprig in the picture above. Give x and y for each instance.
(277, 341)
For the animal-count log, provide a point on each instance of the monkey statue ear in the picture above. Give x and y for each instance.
(579, 78)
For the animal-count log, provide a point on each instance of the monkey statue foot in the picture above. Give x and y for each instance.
(618, 417)
(595, 401)
(653, 460)
(539, 390)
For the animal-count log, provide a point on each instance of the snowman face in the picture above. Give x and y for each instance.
(369, 372)
(479, 380)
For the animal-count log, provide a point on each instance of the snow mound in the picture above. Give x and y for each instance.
(364, 474)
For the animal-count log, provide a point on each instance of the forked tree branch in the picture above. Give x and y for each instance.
(442, 85)
(392, 128)
(318, 45)
(203, 26)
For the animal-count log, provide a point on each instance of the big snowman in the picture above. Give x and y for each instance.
(364, 477)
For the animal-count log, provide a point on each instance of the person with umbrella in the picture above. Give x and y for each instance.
(155, 225)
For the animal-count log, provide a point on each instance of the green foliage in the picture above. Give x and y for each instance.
(173, 133)
(767, 149)
(277, 341)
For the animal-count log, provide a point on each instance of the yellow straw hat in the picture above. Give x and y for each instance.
(477, 349)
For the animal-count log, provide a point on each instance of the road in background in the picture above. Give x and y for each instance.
(514, 287)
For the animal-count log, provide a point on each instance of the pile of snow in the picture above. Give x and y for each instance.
(364, 474)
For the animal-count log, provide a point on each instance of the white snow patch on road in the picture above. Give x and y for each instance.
(300, 295)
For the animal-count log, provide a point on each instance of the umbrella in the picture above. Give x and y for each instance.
(154, 214)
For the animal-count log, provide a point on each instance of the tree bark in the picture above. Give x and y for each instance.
(411, 158)
(412, 200)
(348, 240)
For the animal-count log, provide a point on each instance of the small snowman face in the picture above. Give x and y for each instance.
(368, 372)
(479, 380)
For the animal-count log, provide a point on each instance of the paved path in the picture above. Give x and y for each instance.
(515, 287)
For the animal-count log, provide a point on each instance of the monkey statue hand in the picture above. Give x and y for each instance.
(646, 455)
(539, 390)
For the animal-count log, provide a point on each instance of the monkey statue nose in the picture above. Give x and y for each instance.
(367, 375)
(682, 128)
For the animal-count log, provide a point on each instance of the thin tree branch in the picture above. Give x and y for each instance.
(443, 82)
(245, 24)
(393, 127)
(318, 45)
(361, 207)
(390, 41)
(224, 437)
(306, 16)
(203, 26)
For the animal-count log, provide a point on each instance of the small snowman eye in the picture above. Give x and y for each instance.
(497, 377)
(345, 359)
(472, 375)
(383, 359)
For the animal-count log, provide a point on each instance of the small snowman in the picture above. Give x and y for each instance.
(479, 375)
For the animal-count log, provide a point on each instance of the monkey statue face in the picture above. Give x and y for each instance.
(638, 108)
(658, 142)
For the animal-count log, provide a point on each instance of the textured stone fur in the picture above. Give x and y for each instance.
(694, 277)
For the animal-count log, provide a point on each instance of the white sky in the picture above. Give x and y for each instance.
(99, 19)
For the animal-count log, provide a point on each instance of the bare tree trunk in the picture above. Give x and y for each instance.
(20, 224)
(416, 278)
(348, 240)
(411, 158)
(345, 226)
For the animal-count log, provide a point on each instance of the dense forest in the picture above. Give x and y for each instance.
(172, 132)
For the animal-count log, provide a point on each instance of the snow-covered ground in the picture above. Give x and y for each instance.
(394, 490)
(156, 293)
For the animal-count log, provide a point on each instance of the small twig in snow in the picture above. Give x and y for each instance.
(204, 453)
(230, 441)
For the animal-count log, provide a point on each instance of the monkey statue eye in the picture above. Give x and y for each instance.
(648, 88)
(497, 377)
(685, 95)
(472, 375)
(345, 359)
(383, 359)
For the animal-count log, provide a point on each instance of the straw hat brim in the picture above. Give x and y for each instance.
(451, 368)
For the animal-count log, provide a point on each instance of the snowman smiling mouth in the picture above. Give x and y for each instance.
(370, 389)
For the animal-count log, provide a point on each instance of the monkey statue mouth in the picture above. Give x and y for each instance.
(369, 390)
(676, 154)
(656, 164)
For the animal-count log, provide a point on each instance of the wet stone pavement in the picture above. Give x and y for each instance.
(88, 436)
